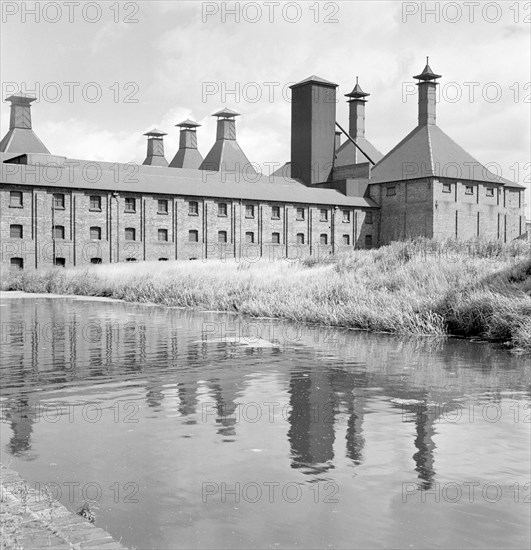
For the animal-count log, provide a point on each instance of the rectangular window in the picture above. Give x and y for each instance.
(300, 238)
(275, 212)
(275, 238)
(368, 240)
(15, 231)
(59, 201)
(391, 191)
(368, 217)
(162, 206)
(95, 203)
(346, 216)
(130, 204)
(15, 199)
(59, 231)
(162, 235)
(193, 236)
(469, 190)
(323, 239)
(346, 239)
(300, 213)
(323, 215)
(59, 262)
(249, 237)
(222, 236)
(222, 209)
(95, 233)
(447, 188)
(249, 211)
(193, 208)
(17, 263)
(130, 234)
(490, 191)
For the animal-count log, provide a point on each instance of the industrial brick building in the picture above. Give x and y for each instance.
(330, 197)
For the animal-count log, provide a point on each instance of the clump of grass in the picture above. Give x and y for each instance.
(416, 287)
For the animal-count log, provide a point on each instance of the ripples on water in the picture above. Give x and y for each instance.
(215, 431)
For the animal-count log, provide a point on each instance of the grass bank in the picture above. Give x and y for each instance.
(419, 287)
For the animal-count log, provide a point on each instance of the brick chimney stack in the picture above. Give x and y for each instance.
(155, 149)
(356, 105)
(427, 95)
(188, 155)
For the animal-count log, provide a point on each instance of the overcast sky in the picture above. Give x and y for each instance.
(138, 65)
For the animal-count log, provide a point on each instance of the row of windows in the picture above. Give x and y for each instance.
(58, 231)
(193, 207)
(469, 189)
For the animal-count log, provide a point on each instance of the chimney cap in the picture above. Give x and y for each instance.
(427, 73)
(226, 113)
(357, 92)
(155, 133)
(315, 79)
(21, 99)
(188, 124)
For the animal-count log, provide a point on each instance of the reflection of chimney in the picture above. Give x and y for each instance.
(20, 138)
(427, 92)
(155, 149)
(187, 156)
(356, 117)
(313, 118)
(226, 155)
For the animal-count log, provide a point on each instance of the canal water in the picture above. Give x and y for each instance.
(208, 430)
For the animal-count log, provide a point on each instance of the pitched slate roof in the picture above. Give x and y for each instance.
(95, 175)
(349, 154)
(428, 151)
(187, 157)
(22, 140)
(316, 79)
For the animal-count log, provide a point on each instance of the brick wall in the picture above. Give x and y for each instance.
(111, 221)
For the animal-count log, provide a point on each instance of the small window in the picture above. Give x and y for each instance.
(275, 212)
(324, 215)
(193, 236)
(15, 199)
(95, 261)
(130, 204)
(59, 201)
(346, 216)
(249, 237)
(275, 238)
(15, 231)
(346, 239)
(323, 239)
(249, 211)
(490, 191)
(300, 213)
(130, 259)
(58, 231)
(95, 233)
(222, 209)
(368, 217)
(391, 191)
(368, 240)
(469, 190)
(222, 236)
(300, 238)
(193, 208)
(162, 206)
(447, 188)
(17, 263)
(95, 203)
(130, 234)
(162, 234)
(163, 259)
(59, 262)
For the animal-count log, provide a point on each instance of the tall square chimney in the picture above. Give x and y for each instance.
(313, 118)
